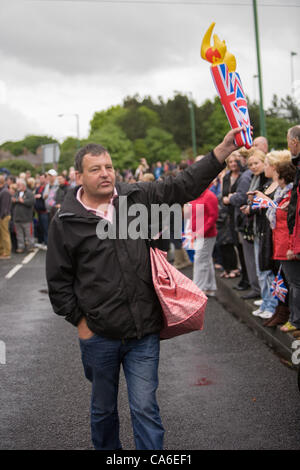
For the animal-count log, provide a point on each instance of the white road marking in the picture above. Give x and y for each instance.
(13, 271)
(26, 260)
(30, 256)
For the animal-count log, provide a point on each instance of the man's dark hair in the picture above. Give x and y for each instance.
(93, 149)
(286, 171)
(183, 165)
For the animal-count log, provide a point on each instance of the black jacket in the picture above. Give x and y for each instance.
(5, 202)
(109, 281)
(61, 193)
(227, 189)
(291, 216)
(23, 211)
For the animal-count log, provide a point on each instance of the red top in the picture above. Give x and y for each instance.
(281, 238)
(296, 232)
(210, 202)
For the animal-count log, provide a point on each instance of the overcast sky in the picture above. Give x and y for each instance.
(68, 57)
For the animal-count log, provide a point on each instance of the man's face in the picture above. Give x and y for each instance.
(61, 180)
(51, 179)
(98, 175)
(21, 186)
(72, 175)
(261, 144)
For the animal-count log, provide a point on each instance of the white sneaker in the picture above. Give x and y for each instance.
(257, 312)
(210, 293)
(258, 302)
(266, 314)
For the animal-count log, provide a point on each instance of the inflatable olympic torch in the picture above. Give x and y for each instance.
(228, 84)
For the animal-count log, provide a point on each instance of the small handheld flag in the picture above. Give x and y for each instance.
(278, 289)
(263, 203)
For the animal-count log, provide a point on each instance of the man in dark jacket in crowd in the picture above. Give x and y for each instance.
(293, 141)
(23, 216)
(104, 286)
(61, 191)
(40, 207)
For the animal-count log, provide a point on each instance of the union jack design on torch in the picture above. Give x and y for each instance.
(242, 106)
(232, 97)
(278, 289)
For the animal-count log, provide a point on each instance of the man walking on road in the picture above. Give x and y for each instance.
(104, 287)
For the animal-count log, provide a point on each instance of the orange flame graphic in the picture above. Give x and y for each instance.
(217, 54)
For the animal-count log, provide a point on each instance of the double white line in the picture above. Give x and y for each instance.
(26, 260)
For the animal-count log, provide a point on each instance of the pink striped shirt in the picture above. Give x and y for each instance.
(107, 214)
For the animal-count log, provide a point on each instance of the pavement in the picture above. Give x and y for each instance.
(232, 300)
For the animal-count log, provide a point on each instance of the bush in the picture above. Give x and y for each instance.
(18, 166)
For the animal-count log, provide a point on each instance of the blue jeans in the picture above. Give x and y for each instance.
(101, 359)
(265, 279)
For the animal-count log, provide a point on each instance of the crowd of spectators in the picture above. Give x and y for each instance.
(258, 230)
(27, 205)
(251, 227)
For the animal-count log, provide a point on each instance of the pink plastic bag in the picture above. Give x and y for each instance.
(182, 302)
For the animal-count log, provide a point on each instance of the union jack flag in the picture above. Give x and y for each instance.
(263, 203)
(233, 99)
(278, 289)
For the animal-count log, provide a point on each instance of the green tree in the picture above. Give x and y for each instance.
(214, 127)
(15, 148)
(136, 121)
(30, 143)
(68, 150)
(161, 146)
(176, 119)
(18, 166)
(276, 132)
(140, 148)
(110, 116)
(202, 113)
(33, 142)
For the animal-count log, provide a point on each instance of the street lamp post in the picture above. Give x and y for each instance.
(254, 87)
(77, 122)
(292, 72)
(261, 105)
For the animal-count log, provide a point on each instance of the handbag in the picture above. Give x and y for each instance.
(183, 303)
